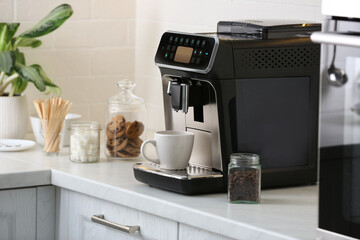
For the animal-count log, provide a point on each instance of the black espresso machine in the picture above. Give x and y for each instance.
(251, 87)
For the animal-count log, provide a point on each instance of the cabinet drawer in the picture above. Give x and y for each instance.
(18, 214)
(74, 219)
(187, 232)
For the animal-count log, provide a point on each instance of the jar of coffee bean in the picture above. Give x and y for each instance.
(244, 181)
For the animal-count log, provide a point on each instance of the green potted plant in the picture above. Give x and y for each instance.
(15, 74)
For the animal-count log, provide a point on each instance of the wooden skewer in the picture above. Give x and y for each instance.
(52, 113)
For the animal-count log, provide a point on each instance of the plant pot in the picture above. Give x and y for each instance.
(13, 117)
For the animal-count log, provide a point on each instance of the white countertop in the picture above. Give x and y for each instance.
(287, 213)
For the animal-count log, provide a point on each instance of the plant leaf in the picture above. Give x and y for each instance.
(20, 85)
(19, 57)
(31, 74)
(50, 86)
(7, 31)
(26, 42)
(51, 22)
(47, 81)
(55, 90)
(7, 61)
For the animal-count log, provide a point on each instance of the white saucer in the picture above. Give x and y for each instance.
(12, 145)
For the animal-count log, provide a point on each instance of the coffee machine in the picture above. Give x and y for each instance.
(251, 87)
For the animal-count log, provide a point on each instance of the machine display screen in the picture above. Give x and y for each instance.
(188, 51)
(183, 54)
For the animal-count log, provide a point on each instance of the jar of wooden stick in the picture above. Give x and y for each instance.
(52, 113)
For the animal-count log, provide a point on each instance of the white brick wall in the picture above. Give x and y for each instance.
(108, 40)
(87, 55)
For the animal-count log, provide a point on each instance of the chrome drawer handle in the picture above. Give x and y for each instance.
(100, 218)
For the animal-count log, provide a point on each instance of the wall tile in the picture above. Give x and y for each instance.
(131, 39)
(148, 33)
(156, 118)
(61, 63)
(7, 11)
(92, 90)
(29, 10)
(98, 113)
(80, 34)
(112, 61)
(110, 9)
(82, 9)
(145, 63)
(149, 88)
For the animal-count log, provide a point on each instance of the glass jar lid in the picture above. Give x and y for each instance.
(245, 158)
(85, 125)
(126, 96)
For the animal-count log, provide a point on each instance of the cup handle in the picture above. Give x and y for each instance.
(153, 142)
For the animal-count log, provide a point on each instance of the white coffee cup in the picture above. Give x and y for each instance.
(172, 147)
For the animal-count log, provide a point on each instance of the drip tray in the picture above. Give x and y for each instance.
(193, 180)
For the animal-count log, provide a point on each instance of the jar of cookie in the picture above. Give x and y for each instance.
(125, 123)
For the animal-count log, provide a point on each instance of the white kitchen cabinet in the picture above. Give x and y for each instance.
(187, 232)
(27, 213)
(73, 219)
(18, 214)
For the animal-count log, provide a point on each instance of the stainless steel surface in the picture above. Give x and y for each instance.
(336, 38)
(185, 97)
(169, 88)
(180, 121)
(211, 62)
(192, 172)
(336, 76)
(202, 152)
(211, 125)
(100, 219)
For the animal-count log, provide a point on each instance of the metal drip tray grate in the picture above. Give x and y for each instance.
(192, 172)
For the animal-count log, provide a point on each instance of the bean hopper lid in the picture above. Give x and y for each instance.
(268, 29)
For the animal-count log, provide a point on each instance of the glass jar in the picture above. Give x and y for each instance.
(244, 181)
(85, 142)
(125, 123)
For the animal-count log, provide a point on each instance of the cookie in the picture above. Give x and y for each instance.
(135, 142)
(134, 129)
(116, 124)
(131, 150)
(116, 134)
(120, 143)
(124, 154)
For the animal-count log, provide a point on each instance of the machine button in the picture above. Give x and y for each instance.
(176, 39)
(197, 43)
(187, 41)
(198, 60)
(173, 48)
(168, 47)
(171, 55)
(162, 48)
(200, 53)
(192, 60)
(171, 39)
(166, 55)
(181, 40)
(203, 43)
(195, 52)
(192, 42)
(206, 54)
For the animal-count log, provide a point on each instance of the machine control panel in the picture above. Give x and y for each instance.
(191, 52)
